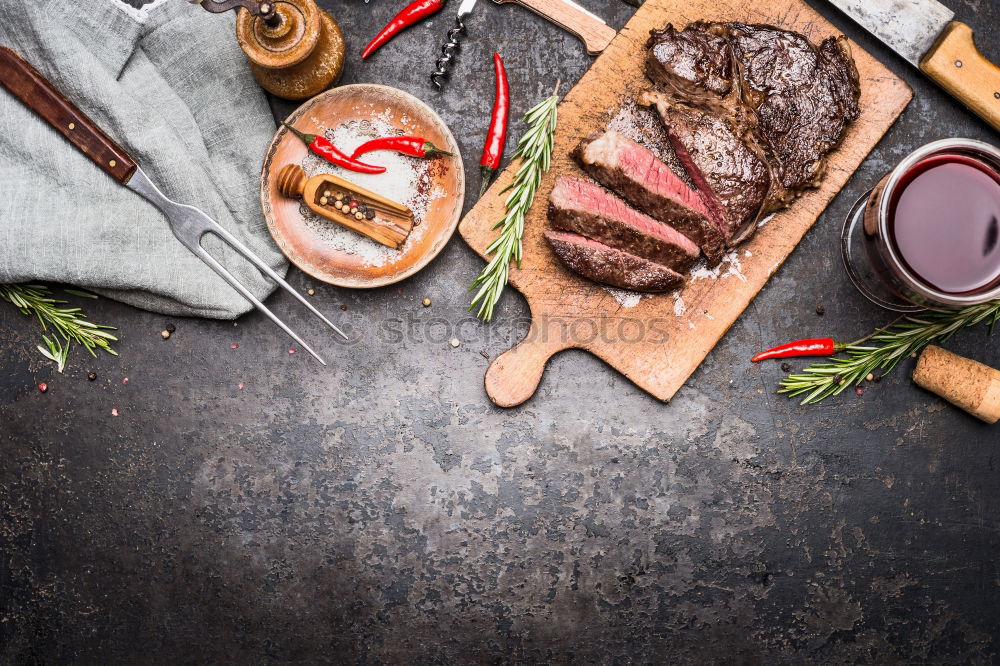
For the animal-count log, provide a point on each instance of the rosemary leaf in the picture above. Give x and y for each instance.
(68, 325)
(896, 342)
(534, 150)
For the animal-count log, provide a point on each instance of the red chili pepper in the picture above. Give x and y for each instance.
(817, 347)
(497, 135)
(407, 145)
(412, 13)
(329, 152)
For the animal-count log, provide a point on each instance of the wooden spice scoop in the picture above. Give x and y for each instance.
(963, 382)
(292, 183)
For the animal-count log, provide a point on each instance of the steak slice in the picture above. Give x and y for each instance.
(722, 160)
(603, 263)
(585, 208)
(648, 184)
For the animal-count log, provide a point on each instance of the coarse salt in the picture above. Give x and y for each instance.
(407, 180)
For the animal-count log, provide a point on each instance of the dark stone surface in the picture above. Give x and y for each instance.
(381, 510)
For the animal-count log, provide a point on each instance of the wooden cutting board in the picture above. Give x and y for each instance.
(658, 341)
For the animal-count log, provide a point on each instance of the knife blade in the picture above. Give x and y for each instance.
(925, 33)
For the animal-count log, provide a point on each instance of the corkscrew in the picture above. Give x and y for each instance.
(567, 14)
(449, 52)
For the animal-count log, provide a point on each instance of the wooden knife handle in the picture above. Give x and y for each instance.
(26, 84)
(595, 35)
(956, 65)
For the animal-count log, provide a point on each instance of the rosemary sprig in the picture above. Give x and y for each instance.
(906, 336)
(535, 152)
(69, 324)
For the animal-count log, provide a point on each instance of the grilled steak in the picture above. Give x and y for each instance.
(587, 209)
(722, 160)
(697, 64)
(603, 263)
(797, 97)
(647, 183)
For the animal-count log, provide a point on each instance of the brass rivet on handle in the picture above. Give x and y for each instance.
(958, 63)
(113, 164)
(997, 95)
(72, 126)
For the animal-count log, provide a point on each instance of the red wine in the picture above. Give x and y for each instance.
(945, 223)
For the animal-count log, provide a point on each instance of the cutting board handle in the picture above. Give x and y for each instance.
(513, 377)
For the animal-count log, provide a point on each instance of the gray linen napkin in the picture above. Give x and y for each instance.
(169, 83)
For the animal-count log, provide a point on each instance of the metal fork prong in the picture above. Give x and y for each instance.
(271, 273)
(238, 286)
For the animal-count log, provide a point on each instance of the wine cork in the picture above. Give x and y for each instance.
(963, 382)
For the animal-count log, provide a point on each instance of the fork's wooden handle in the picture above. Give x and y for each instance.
(957, 66)
(595, 35)
(26, 84)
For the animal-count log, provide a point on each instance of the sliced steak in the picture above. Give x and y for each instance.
(588, 209)
(722, 160)
(603, 263)
(647, 183)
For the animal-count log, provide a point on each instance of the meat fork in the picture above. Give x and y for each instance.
(188, 223)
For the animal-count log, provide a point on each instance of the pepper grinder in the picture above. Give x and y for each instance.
(296, 50)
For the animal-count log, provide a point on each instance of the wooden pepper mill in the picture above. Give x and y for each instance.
(296, 50)
(963, 382)
(381, 219)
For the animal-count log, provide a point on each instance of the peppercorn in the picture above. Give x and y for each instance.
(165, 334)
(92, 376)
(427, 302)
(370, 214)
(43, 387)
(340, 196)
(870, 377)
(359, 215)
(338, 205)
(354, 211)
(820, 310)
(786, 367)
(171, 328)
(353, 204)
(455, 342)
(344, 308)
(838, 380)
(324, 201)
(311, 292)
(877, 377)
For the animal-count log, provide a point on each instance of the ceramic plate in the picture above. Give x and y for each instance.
(434, 189)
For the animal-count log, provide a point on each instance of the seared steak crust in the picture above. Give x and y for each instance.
(603, 263)
(804, 97)
(781, 98)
